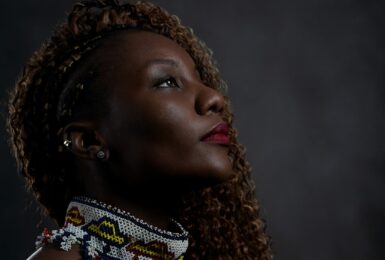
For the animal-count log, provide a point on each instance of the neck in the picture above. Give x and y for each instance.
(152, 212)
(153, 205)
(155, 202)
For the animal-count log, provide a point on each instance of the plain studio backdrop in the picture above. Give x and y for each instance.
(306, 80)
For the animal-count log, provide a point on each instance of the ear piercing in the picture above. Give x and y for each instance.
(67, 142)
(101, 154)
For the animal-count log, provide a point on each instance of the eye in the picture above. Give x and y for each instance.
(169, 82)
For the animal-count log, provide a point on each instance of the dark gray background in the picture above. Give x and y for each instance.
(306, 78)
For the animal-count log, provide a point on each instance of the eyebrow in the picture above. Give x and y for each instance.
(166, 61)
(170, 62)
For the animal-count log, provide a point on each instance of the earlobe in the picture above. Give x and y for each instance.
(97, 152)
(85, 142)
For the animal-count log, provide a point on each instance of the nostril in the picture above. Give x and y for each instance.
(216, 107)
(210, 100)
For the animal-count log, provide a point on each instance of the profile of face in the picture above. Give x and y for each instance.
(159, 110)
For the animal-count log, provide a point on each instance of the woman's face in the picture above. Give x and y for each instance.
(159, 112)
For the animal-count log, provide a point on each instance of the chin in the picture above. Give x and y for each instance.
(205, 178)
(221, 168)
(224, 176)
(218, 174)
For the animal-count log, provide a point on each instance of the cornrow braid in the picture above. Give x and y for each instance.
(224, 221)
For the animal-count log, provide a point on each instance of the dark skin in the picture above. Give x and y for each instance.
(159, 110)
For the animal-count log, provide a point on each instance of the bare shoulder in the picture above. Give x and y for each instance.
(51, 252)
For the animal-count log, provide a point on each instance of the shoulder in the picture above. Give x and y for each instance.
(51, 252)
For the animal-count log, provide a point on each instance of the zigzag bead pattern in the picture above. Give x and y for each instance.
(107, 232)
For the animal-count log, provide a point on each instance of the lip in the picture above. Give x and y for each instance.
(218, 135)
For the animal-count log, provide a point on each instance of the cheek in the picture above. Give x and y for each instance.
(171, 122)
(149, 129)
(175, 148)
(172, 140)
(163, 139)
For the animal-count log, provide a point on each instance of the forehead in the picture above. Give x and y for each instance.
(137, 48)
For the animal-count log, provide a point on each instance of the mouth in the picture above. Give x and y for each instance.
(218, 135)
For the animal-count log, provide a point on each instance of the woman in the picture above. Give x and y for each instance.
(121, 126)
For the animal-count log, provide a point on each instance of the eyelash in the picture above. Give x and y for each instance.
(171, 80)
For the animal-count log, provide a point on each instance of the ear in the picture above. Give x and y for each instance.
(84, 141)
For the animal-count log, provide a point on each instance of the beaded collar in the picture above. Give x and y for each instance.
(106, 232)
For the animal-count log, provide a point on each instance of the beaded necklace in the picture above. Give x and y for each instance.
(106, 232)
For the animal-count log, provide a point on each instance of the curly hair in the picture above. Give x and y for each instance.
(223, 221)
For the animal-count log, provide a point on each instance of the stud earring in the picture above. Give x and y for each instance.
(101, 154)
(67, 142)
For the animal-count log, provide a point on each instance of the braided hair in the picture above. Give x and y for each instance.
(58, 85)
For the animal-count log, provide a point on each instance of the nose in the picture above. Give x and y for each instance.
(208, 101)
